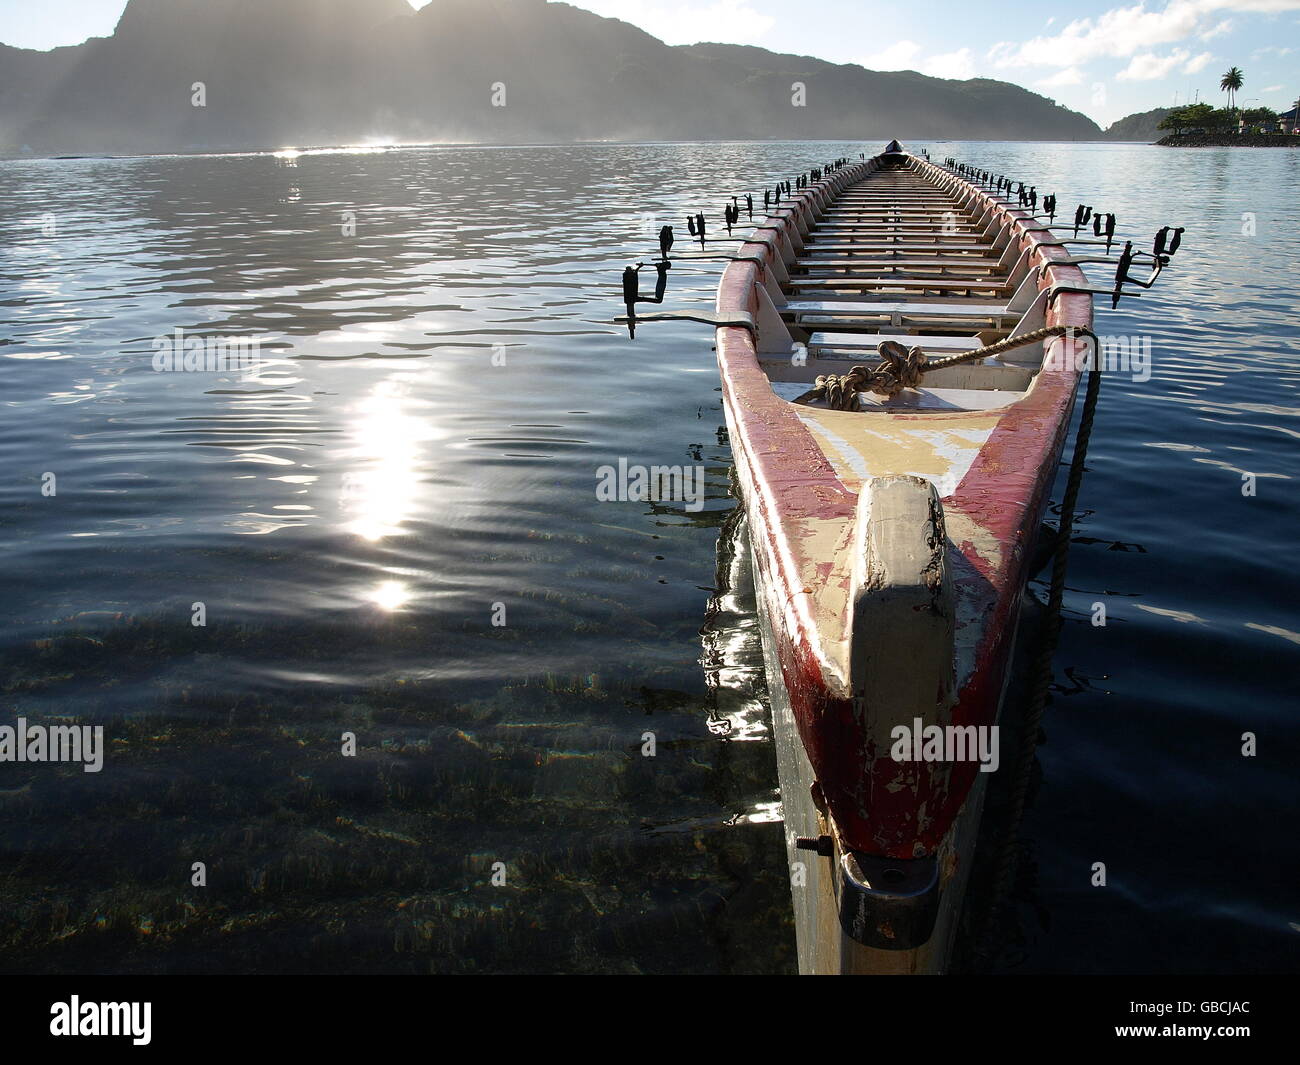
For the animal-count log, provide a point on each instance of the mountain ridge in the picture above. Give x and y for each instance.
(1140, 126)
(278, 72)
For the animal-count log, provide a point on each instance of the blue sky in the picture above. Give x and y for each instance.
(1105, 59)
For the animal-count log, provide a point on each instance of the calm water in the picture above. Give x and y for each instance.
(419, 457)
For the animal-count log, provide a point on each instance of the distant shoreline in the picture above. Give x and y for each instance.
(1230, 140)
(10, 155)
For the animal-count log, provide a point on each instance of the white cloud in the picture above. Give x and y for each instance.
(1148, 66)
(1125, 32)
(1217, 31)
(958, 65)
(1271, 49)
(1273, 88)
(898, 56)
(906, 55)
(1068, 76)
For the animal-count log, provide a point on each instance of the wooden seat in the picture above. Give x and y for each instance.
(892, 281)
(954, 229)
(976, 250)
(956, 263)
(870, 341)
(973, 309)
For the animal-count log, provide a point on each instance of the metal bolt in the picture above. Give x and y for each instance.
(823, 845)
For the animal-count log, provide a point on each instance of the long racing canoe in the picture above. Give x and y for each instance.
(890, 530)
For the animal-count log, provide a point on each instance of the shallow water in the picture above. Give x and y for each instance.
(418, 457)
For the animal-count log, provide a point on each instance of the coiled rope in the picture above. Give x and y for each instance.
(903, 367)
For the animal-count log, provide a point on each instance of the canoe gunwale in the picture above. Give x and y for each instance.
(787, 477)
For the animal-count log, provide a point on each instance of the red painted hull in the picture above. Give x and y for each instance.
(787, 477)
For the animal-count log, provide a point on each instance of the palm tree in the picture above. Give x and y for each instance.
(1231, 83)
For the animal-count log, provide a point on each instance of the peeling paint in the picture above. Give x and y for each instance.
(801, 470)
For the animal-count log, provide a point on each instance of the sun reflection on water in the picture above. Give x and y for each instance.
(390, 595)
(379, 492)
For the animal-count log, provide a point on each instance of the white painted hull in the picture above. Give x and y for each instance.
(824, 948)
(890, 537)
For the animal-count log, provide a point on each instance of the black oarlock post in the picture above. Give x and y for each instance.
(1103, 225)
(632, 294)
(661, 281)
(1163, 246)
(699, 227)
(629, 299)
(665, 241)
(1082, 215)
(749, 206)
(1121, 273)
